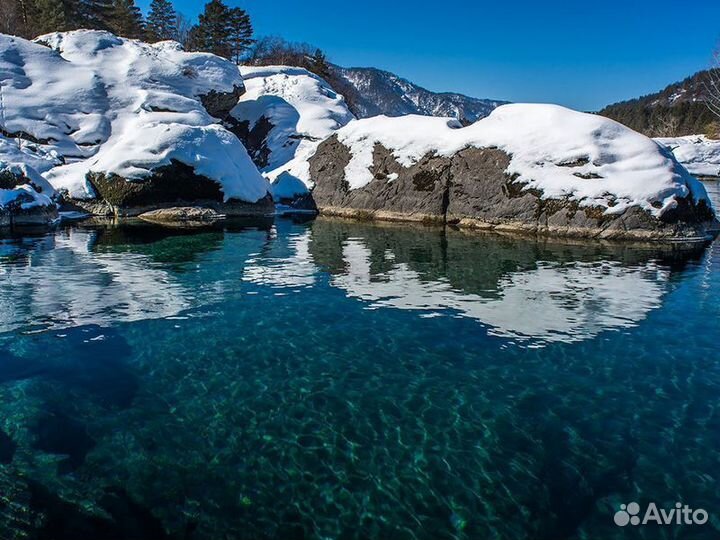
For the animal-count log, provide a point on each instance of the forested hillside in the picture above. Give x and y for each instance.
(679, 109)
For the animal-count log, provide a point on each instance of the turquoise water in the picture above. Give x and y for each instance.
(332, 379)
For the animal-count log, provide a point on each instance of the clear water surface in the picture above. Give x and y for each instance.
(333, 379)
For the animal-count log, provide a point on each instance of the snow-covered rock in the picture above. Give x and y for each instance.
(533, 167)
(289, 192)
(26, 198)
(284, 115)
(697, 153)
(87, 104)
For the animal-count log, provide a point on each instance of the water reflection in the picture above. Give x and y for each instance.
(531, 292)
(527, 291)
(344, 380)
(285, 262)
(553, 302)
(63, 281)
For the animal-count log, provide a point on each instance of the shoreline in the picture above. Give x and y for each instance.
(517, 227)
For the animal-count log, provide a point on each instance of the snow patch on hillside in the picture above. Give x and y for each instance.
(88, 101)
(374, 92)
(565, 154)
(303, 110)
(698, 154)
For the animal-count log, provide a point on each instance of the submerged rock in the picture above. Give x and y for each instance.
(57, 433)
(7, 448)
(538, 169)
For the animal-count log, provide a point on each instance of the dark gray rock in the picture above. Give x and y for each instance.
(255, 139)
(176, 185)
(471, 189)
(418, 194)
(219, 104)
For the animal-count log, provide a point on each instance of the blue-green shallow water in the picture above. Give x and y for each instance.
(332, 379)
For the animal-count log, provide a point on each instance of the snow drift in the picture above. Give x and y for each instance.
(90, 102)
(698, 154)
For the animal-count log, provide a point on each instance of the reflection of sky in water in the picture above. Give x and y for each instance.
(277, 269)
(554, 302)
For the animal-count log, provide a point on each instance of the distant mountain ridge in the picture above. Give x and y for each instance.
(678, 109)
(372, 92)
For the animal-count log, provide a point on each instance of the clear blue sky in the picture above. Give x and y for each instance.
(576, 53)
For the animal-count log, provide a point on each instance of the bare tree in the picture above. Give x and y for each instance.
(666, 126)
(712, 84)
(274, 50)
(183, 26)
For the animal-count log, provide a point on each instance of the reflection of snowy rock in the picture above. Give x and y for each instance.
(293, 269)
(554, 302)
(68, 284)
(291, 193)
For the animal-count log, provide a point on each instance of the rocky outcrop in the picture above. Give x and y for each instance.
(285, 113)
(255, 138)
(415, 194)
(173, 186)
(25, 201)
(472, 189)
(121, 127)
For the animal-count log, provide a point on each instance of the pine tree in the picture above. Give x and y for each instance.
(49, 16)
(318, 64)
(91, 14)
(161, 21)
(212, 33)
(126, 19)
(241, 32)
